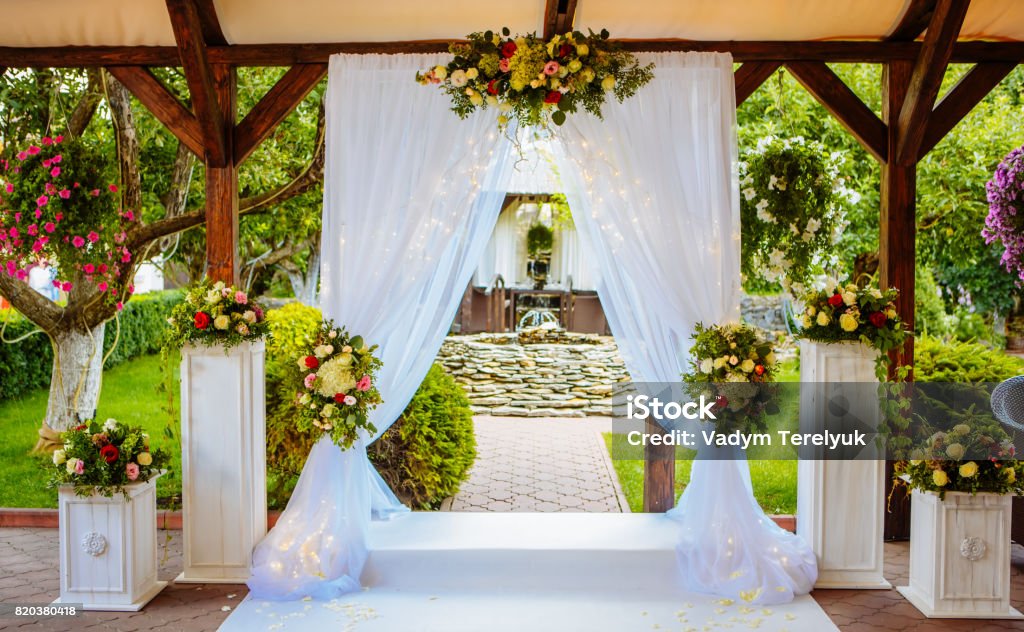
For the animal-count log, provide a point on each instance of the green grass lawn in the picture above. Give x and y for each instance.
(131, 394)
(774, 481)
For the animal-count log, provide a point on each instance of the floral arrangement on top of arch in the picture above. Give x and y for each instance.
(736, 365)
(334, 384)
(792, 211)
(215, 314)
(533, 80)
(55, 204)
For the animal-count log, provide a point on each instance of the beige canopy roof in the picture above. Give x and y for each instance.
(31, 23)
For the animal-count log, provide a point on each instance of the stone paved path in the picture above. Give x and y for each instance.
(541, 464)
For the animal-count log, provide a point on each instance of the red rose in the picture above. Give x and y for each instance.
(877, 319)
(339, 398)
(312, 362)
(759, 369)
(564, 50)
(202, 320)
(109, 453)
(81, 426)
(492, 88)
(553, 97)
(508, 49)
(835, 300)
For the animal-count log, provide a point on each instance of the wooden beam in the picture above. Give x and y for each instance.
(222, 188)
(659, 474)
(930, 67)
(163, 105)
(291, 54)
(566, 17)
(189, 36)
(913, 22)
(961, 99)
(274, 107)
(213, 35)
(843, 104)
(558, 17)
(550, 18)
(751, 75)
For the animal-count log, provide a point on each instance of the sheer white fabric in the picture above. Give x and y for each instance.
(502, 254)
(656, 203)
(411, 193)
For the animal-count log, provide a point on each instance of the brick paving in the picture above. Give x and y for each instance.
(540, 464)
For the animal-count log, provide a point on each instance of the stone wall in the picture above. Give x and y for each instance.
(566, 375)
(765, 312)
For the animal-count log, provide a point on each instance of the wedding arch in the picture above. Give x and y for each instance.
(411, 195)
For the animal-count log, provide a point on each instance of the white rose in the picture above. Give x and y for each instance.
(720, 362)
(222, 322)
(219, 285)
(459, 78)
(249, 316)
(770, 358)
(350, 401)
(110, 424)
(706, 365)
(327, 410)
(59, 457)
(876, 293)
(747, 366)
(213, 297)
(733, 360)
(849, 298)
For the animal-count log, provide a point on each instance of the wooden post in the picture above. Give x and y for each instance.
(897, 252)
(222, 188)
(659, 474)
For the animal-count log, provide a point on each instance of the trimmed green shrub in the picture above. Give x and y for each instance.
(424, 456)
(938, 361)
(930, 315)
(27, 364)
(427, 454)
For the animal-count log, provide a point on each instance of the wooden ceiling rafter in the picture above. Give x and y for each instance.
(844, 104)
(961, 99)
(926, 79)
(193, 51)
(558, 17)
(162, 104)
(913, 22)
(275, 106)
(291, 54)
(751, 75)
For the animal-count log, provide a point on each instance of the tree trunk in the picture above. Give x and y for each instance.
(74, 385)
(306, 284)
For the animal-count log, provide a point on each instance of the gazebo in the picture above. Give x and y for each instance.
(913, 40)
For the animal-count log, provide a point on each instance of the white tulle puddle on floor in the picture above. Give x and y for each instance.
(550, 572)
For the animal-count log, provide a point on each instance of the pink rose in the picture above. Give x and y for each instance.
(503, 65)
(310, 380)
(77, 242)
(350, 401)
(241, 298)
(79, 467)
(132, 470)
(364, 384)
(551, 68)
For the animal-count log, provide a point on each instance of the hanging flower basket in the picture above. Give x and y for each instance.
(1005, 221)
(534, 81)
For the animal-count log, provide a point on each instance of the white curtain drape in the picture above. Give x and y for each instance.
(501, 256)
(655, 199)
(411, 194)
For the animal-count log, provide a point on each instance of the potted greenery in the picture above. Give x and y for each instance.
(220, 332)
(105, 477)
(846, 334)
(539, 241)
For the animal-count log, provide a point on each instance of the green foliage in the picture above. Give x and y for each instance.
(539, 239)
(939, 361)
(427, 454)
(791, 210)
(930, 315)
(27, 364)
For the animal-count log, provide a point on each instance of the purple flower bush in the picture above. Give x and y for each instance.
(1005, 221)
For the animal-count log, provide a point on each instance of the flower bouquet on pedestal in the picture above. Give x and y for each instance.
(335, 389)
(216, 314)
(104, 459)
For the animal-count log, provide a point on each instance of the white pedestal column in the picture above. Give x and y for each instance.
(108, 548)
(960, 556)
(840, 506)
(223, 445)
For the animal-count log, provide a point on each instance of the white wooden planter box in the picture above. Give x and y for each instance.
(840, 506)
(108, 548)
(223, 458)
(960, 556)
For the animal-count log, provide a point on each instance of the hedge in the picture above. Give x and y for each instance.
(424, 456)
(27, 364)
(936, 360)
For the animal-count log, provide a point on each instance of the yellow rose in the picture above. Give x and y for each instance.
(747, 366)
(582, 50)
(144, 458)
(440, 72)
(955, 451)
(492, 100)
(848, 322)
(502, 120)
(806, 321)
(1011, 474)
(720, 362)
(608, 83)
(823, 319)
(968, 469)
(575, 65)
(770, 358)
(476, 99)
(812, 310)
(59, 457)
(939, 478)
(472, 73)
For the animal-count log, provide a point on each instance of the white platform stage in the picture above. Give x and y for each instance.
(519, 571)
